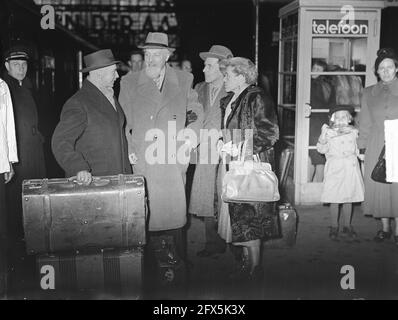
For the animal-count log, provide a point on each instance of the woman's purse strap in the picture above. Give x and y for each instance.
(382, 153)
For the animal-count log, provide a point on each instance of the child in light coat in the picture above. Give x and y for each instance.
(343, 183)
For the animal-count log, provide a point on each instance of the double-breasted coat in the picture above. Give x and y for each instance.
(156, 123)
(90, 135)
(29, 140)
(379, 103)
(343, 181)
(203, 190)
(31, 163)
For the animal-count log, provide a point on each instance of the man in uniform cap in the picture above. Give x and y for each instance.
(30, 141)
(89, 139)
(204, 194)
(160, 106)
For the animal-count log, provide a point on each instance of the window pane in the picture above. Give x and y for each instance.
(289, 89)
(289, 61)
(347, 54)
(286, 121)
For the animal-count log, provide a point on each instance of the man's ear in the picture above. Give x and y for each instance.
(7, 65)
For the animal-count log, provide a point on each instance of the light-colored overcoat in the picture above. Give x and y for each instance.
(203, 190)
(156, 122)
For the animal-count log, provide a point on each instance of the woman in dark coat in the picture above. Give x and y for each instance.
(248, 108)
(379, 103)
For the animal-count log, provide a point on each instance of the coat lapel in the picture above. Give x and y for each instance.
(147, 88)
(235, 105)
(170, 86)
(120, 113)
(206, 104)
(96, 93)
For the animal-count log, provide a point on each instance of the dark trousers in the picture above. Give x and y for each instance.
(3, 240)
(213, 240)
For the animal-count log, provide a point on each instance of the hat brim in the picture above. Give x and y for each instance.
(204, 55)
(16, 58)
(350, 109)
(88, 69)
(154, 46)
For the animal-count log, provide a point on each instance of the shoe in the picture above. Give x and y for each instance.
(382, 235)
(349, 232)
(333, 233)
(257, 274)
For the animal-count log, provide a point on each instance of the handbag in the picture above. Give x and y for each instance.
(379, 171)
(249, 180)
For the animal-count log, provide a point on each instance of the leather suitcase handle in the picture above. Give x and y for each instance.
(98, 182)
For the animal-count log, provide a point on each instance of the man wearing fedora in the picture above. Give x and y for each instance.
(156, 101)
(204, 191)
(89, 140)
(31, 163)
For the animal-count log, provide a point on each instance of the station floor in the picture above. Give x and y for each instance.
(312, 269)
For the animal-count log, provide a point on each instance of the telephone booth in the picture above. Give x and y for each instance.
(327, 51)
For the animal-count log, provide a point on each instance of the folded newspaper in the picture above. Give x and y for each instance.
(391, 135)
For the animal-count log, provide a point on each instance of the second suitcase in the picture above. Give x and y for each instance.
(115, 273)
(288, 224)
(61, 215)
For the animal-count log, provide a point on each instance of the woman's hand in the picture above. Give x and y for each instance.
(230, 148)
(219, 146)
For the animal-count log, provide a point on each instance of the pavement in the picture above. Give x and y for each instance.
(314, 268)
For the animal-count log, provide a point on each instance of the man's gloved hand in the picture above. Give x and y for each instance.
(190, 117)
(133, 158)
(84, 177)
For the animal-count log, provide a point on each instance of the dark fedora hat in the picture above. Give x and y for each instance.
(99, 59)
(157, 40)
(217, 51)
(340, 107)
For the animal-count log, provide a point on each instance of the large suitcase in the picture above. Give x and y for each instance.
(61, 215)
(104, 274)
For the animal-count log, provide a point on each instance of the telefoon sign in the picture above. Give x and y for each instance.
(359, 27)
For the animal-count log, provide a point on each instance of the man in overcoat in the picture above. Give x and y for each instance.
(204, 193)
(31, 163)
(89, 140)
(163, 118)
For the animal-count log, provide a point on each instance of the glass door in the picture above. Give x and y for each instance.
(287, 79)
(326, 58)
(338, 71)
(336, 59)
